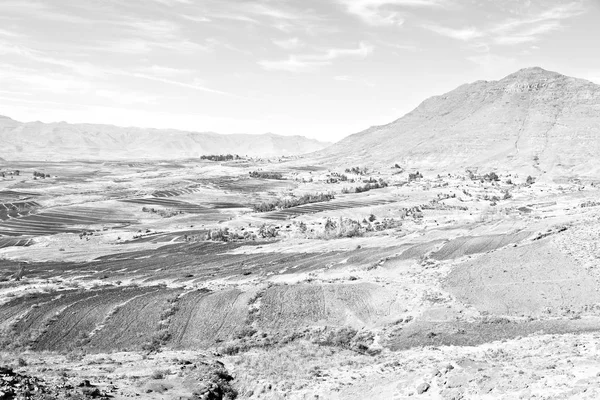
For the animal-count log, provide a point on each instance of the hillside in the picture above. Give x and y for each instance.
(63, 141)
(532, 120)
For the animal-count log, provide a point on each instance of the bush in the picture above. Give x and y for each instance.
(492, 177)
(414, 176)
(356, 170)
(159, 374)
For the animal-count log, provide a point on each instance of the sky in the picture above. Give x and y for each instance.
(319, 68)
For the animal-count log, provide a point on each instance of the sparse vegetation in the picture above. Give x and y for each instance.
(40, 175)
(220, 157)
(165, 213)
(266, 175)
(413, 176)
(280, 204)
(356, 170)
(370, 185)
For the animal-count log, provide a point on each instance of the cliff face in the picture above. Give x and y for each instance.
(533, 119)
(62, 141)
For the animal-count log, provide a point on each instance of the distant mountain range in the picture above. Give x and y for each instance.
(63, 141)
(532, 120)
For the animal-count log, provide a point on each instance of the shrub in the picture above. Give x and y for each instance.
(530, 180)
(414, 176)
(356, 170)
(492, 177)
(159, 374)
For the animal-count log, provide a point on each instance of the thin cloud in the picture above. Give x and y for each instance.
(310, 62)
(513, 31)
(353, 79)
(289, 44)
(464, 34)
(86, 69)
(385, 12)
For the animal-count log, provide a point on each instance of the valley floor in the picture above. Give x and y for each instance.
(163, 280)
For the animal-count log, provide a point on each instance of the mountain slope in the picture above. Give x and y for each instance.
(62, 141)
(533, 118)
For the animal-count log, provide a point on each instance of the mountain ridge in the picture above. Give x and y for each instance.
(61, 141)
(532, 119)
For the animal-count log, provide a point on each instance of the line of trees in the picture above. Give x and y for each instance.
(266, 175)
(220, 157)
(40, 175)
(280, 204)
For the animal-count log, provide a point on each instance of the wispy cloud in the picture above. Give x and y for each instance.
(90, 70)
(465, 34)
(385, 12)
(531, 28)
(354, 79)
(310, 62)
(42, 11)
(513, 31)
(288, 44)
(143, 36)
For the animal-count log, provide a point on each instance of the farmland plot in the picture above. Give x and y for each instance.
(15, 241)
(467, 245)
(134, 323)
(206, 318)
(174, 204)
(543, 280)
(59, 220)
(78, 320)
(34, 320)
(176, 192)
(7, 196)
(314, 208)
(300, 306)
(21, 305)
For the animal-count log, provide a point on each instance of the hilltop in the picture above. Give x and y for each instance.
(63, 141)
(533, 120)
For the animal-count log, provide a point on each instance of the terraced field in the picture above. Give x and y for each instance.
(15, 241)
(133, 324)
(206, 318)
(16, 209)
(173, 204)
(467, 245)
(253, 185)
(12, 195)
(176, 192)
(332, 205)
(198, 262)
(59, 220)
(73, 326)
(291, 308)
